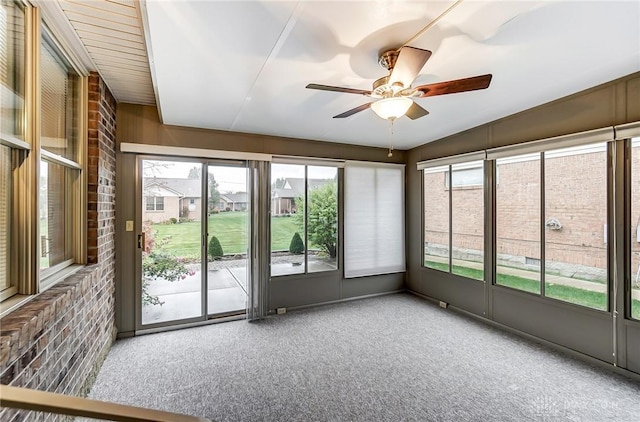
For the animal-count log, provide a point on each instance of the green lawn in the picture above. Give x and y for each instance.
(230, 228)
(570, 294)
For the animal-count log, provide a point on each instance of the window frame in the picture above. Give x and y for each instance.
(17, 148)
(155, 204)
(306, 163)
(448, 167)
(27, 156)
(541, 151)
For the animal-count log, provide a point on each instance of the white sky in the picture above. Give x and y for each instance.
(233, 179)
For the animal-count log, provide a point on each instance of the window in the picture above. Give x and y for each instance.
(154, 203)
(59, 102)
(42, 185)
(454, 219)
(59, 167)
(55, 211)
(518, 248)
(436, 218)
(575, 212)
(635, 228)
(12, 130)
(304, 218)
(374, 219)
(551, 216)
(12, 70)
(466, 175)
(7, 287)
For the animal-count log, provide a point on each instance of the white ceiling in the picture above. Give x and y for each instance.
(243, 65)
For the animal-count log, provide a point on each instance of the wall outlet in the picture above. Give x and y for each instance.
(443, 304)
(281, 311)
(128, 226)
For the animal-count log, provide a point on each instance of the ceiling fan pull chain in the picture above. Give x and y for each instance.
(390, 154)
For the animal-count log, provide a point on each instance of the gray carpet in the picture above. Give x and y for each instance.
(391, 358)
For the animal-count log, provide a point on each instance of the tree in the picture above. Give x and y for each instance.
(279, 183)
(214, 193)
(194, 173)
(322, 217)
(297, 245)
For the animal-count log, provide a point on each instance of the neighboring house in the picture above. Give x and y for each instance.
(166, 198)
(233, 201)
(283, 199)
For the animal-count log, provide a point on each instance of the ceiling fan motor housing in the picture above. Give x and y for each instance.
(388, 59)
(381, 87)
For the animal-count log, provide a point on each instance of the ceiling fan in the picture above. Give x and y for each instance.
(395, 93)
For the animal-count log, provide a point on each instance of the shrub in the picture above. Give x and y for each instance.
(296, 245)
(158, 265)
(215, 248)
(173, 220)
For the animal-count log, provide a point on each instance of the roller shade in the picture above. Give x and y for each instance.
(308, 161)
(565, 141)
(627, 131)
(192, 152)
(454, 159)
(374, 219)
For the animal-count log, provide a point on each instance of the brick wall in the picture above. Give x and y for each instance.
(101, 172)
(635, 213)
(575, 190)
(57, 341)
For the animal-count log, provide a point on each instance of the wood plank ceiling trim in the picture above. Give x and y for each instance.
(111, 32)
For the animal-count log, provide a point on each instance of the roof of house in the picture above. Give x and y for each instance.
(188, 188)
(294, 187)
(235, 198)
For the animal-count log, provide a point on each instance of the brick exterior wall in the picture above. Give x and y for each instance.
(635, 213)
(575, 191)
(57, 341)
(101, 171)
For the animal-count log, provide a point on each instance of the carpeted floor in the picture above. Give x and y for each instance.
(390, 358)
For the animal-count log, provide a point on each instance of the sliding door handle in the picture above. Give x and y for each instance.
(142, 240)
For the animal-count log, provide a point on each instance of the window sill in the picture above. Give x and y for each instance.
(16, 301)
(13, 303)
(60, 275)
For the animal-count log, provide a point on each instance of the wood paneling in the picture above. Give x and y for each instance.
(112, 34)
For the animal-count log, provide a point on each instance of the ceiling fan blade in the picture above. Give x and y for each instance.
(416, 111)
(458, 85)
(338, 89)
(353, 111)
(410, 62)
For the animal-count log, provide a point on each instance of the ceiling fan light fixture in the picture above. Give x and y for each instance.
(391, 108)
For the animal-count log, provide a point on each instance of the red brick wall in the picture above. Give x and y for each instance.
(635, 211)
(101, 171)
(57, 341)
(575, 190)
(436, 209)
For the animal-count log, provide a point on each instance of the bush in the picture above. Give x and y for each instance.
(173, 220)
(215, 248)
(158, 265)
(296, 245)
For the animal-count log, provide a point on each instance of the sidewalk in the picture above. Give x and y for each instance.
(550, 279)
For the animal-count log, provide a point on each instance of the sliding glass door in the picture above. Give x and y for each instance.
(194, 220)
(227, 235)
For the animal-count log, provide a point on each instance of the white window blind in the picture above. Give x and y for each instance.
(374, 219)
(5, 210)
(54, 100)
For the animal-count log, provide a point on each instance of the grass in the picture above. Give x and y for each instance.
(570, 294)
(230, 228)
